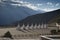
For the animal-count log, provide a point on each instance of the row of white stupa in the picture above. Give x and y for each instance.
(40, 26)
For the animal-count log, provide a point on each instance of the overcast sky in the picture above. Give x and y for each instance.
(45, 5)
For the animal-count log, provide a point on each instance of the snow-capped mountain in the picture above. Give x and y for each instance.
(10, 13)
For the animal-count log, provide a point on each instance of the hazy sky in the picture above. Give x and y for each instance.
(45, 5)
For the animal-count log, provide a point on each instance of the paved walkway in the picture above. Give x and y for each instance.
(17, 39)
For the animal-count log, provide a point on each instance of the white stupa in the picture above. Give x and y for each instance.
(27, 27)
(57, 24)
(38, 27)
(42, 25)
(31, 27)
(18, 27)
(45, 25)
(22, 27)
(35, 27)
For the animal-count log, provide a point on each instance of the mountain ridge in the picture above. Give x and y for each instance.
(40, 18)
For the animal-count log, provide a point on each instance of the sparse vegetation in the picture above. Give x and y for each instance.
(53, 32)
(58, 30)
(8, 35)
